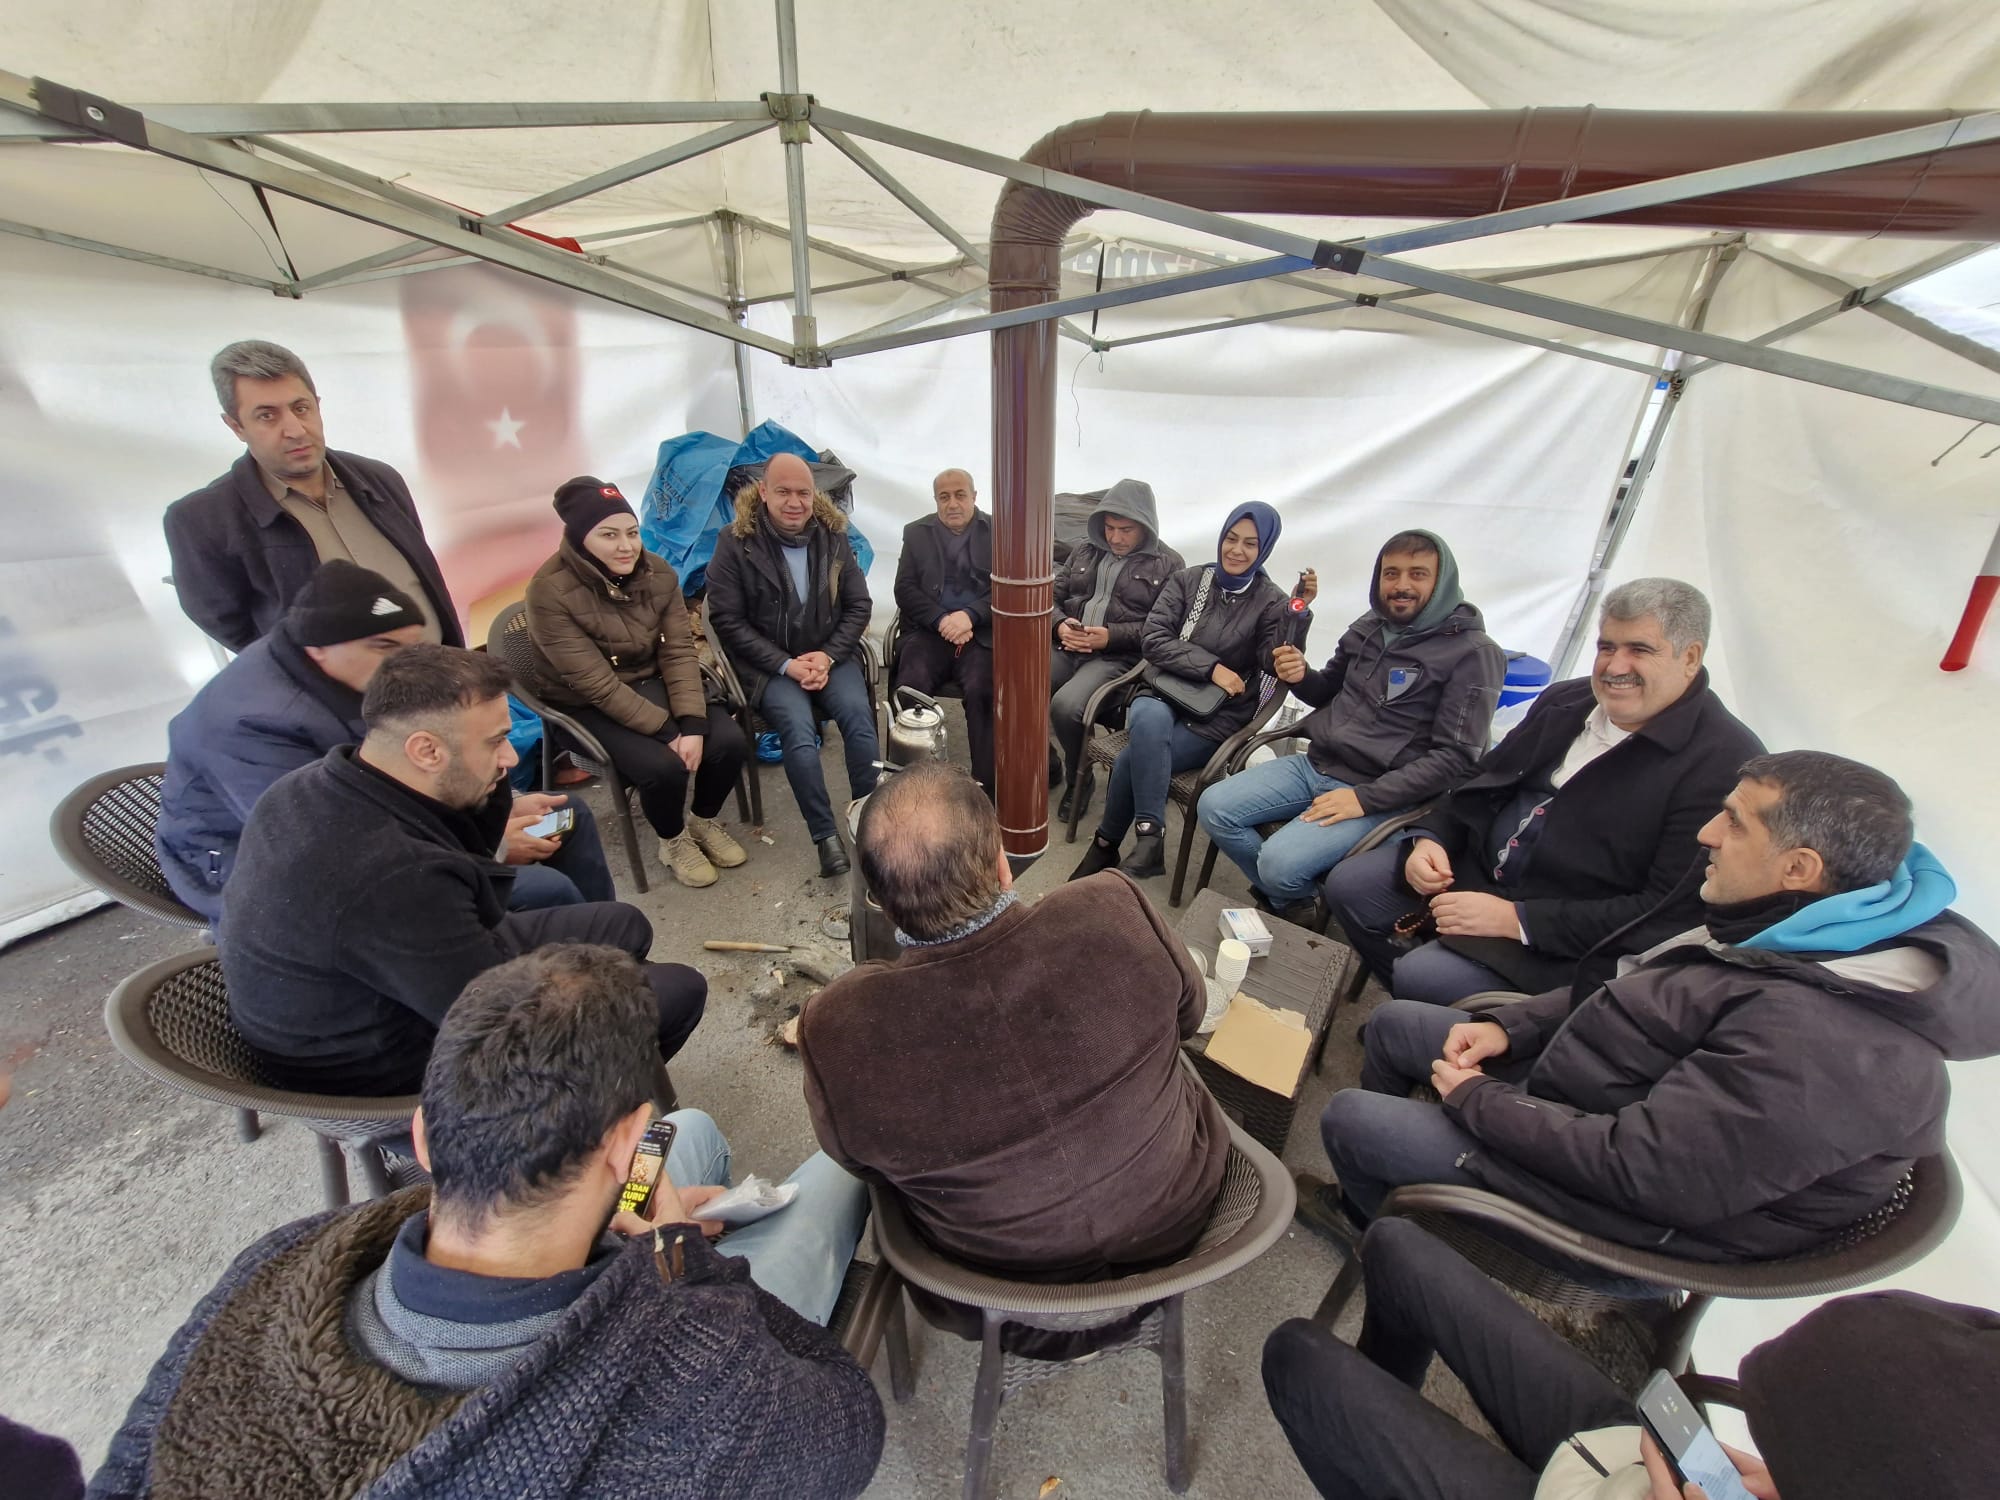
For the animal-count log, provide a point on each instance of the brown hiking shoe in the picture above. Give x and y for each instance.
(683, 856)
(723, 851)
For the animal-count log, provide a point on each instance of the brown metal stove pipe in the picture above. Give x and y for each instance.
(1449, 164)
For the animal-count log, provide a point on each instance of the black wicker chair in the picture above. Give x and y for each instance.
(1251, 1213)
(1536, 1256)
(1103, 749)
(104, 832)
(170, 1020)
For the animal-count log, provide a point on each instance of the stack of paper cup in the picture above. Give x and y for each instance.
(1232, 962)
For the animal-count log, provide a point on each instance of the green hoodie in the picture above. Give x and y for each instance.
(1445, 597)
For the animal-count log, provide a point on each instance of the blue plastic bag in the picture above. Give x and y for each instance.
(685, 508)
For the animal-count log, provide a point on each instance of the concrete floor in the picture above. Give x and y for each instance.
(125, 1200)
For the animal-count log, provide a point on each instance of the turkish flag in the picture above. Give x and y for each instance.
(494, 368)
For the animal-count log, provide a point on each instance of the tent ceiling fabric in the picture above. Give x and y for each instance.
(993, 76)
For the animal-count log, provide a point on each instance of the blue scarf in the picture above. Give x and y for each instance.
(1265, 519)
(1853, 920)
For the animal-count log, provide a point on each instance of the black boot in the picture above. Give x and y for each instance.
(1099, 856)
(832, 856)
(1149, 852)
(1085, 790)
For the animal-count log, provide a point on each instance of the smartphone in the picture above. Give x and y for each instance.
(1676, 1425)
(649, 1165)
(554, 826)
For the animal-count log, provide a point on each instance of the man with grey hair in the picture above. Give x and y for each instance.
(1747, 1088)
(1573, 841)
(246, 543)
(944, 589)
(1015, 1074)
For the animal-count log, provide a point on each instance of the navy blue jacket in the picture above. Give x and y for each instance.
(270, 711)
(239, 559)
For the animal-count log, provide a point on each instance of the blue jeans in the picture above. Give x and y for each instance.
(1287, 865)
(800, 1253)
(1376, 1136)
(795, 714)
(1161, 748)
(575, 873)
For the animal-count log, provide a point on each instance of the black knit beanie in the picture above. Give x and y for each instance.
(343, 602)
(584, 501)
(1888, 1393)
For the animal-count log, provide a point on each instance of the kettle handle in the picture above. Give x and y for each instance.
(924, 698)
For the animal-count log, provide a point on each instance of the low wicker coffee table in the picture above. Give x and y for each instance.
(1301, 973)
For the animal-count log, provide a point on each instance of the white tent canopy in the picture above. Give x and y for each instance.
(1836, 533)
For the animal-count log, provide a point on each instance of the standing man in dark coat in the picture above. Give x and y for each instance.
(1744, 1091)
(1104, 590)
(1401, 713)
(246, 543)
(789, 603)
(944, 588)
(1577, 830)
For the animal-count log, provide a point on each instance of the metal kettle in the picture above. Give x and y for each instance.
(916, 728)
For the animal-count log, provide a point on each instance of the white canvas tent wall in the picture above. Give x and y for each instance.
(1836, 551)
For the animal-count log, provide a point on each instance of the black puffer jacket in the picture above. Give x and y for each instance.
(1734, 1103)
(751, 604)
(1239, 631)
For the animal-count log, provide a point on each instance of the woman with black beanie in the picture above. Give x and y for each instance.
(613, 646)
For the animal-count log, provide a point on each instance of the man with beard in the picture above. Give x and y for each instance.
(944, 588)
(292, 696)
(1401, 713)
(368, 890)
(1574, 840)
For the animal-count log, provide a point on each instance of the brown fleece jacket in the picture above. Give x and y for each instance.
(1022, 1088)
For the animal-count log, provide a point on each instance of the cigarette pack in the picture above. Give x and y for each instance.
(1246, 925)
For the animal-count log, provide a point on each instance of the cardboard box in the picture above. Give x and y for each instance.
(1246, 925)
(1262, 1043)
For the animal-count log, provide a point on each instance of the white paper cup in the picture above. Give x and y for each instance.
(1232, 962)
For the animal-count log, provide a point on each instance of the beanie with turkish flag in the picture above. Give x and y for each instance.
(585, 501)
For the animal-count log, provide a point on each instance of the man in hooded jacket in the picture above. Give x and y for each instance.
(1401, 713)
(1741, 1092)
(1103, 594)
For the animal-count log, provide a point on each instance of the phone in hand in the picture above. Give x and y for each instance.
(1676, 1425)
(554, 826)
(649, 1165)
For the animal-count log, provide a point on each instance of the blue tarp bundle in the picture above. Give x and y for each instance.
(686, 508)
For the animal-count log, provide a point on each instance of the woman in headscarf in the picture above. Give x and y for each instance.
(613, 647)
(1207, 644)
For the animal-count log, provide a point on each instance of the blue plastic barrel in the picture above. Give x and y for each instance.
(1526, 677)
